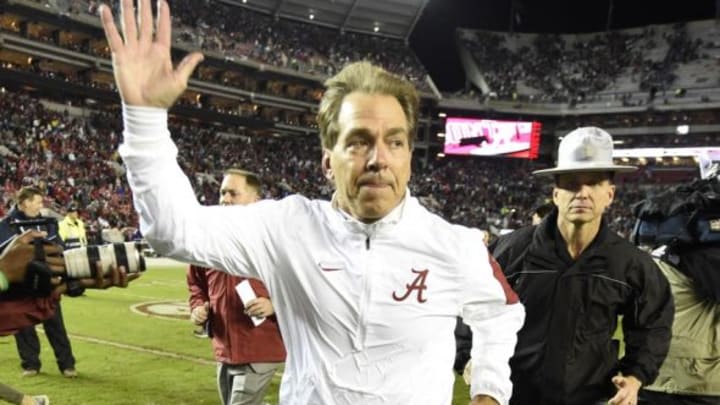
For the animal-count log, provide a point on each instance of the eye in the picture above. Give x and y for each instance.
(397, 143)
(357, 143)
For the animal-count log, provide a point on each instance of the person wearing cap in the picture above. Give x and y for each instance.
(575, 277)
(72, 228)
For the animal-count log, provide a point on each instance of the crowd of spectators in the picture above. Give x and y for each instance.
(75, 159)
(574, 68)
(237, 33)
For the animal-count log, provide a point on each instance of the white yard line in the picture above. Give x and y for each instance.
(140, 349)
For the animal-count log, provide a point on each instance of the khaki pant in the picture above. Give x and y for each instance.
(244, 384)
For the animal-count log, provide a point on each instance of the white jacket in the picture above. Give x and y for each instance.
(367, 312)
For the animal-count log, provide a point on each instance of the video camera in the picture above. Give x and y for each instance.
(79, 262)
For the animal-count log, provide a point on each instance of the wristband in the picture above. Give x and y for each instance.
(4, 284)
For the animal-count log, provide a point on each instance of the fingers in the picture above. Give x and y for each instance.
(145, 21)
(163, 32)
(111, 33)
(98, 274)
(188, 65)
(129, 26)
(115, 273)
(56, 264)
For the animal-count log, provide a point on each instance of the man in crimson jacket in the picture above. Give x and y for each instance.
(248, 354)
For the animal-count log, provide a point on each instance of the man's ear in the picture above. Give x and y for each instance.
(326, 165)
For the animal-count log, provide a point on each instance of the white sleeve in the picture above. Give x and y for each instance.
(495, 315)
(173, 222)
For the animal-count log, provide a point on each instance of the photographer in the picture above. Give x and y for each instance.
(17, 312)
(690, 374)
(29, 203)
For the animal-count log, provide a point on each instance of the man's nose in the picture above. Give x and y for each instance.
(583, 190)
(378, 157)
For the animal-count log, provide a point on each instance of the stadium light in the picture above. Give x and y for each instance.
(442, 115)
(376, 27)
(682, 129)
(440, 155)
(311, 15)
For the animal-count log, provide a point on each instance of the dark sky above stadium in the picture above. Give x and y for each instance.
(433, 39)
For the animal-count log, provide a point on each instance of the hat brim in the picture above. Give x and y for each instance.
(585, 169)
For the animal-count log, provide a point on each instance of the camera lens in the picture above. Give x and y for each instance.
(81, 262)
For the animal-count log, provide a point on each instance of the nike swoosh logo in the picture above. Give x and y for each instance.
(326, 266)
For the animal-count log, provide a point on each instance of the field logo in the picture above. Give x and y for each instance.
(178, 310)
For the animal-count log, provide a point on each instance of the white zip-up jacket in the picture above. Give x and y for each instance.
(367, 312)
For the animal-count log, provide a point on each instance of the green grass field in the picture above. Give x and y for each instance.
(127, 358)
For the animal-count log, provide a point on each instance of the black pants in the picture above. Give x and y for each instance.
(28, 344)
(661, 398)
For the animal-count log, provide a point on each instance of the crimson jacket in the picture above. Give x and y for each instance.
(236, 340)
(19, 312)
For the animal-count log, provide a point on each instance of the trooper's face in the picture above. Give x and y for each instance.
(582, 197)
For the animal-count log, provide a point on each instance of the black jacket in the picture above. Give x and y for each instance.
(7, 232)
(565, 352)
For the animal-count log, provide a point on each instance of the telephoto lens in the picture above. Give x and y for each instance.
(81, 262)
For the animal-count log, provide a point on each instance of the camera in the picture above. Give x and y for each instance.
(81, 262)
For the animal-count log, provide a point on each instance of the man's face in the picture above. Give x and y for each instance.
(582, 197)
(32, 206)
(370, 163)
(234, 190)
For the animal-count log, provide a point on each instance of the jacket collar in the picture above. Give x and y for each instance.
(340, 219)
(548, 247)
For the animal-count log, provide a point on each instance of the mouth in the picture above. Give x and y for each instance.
(374, 185)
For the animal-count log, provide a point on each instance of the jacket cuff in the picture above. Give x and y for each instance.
(638, 373)
(489, 390)
(144, 122)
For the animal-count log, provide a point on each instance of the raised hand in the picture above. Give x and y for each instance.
(141, 58)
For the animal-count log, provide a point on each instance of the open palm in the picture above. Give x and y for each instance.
(141, 58)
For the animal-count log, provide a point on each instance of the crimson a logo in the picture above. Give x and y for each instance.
(418, 285)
